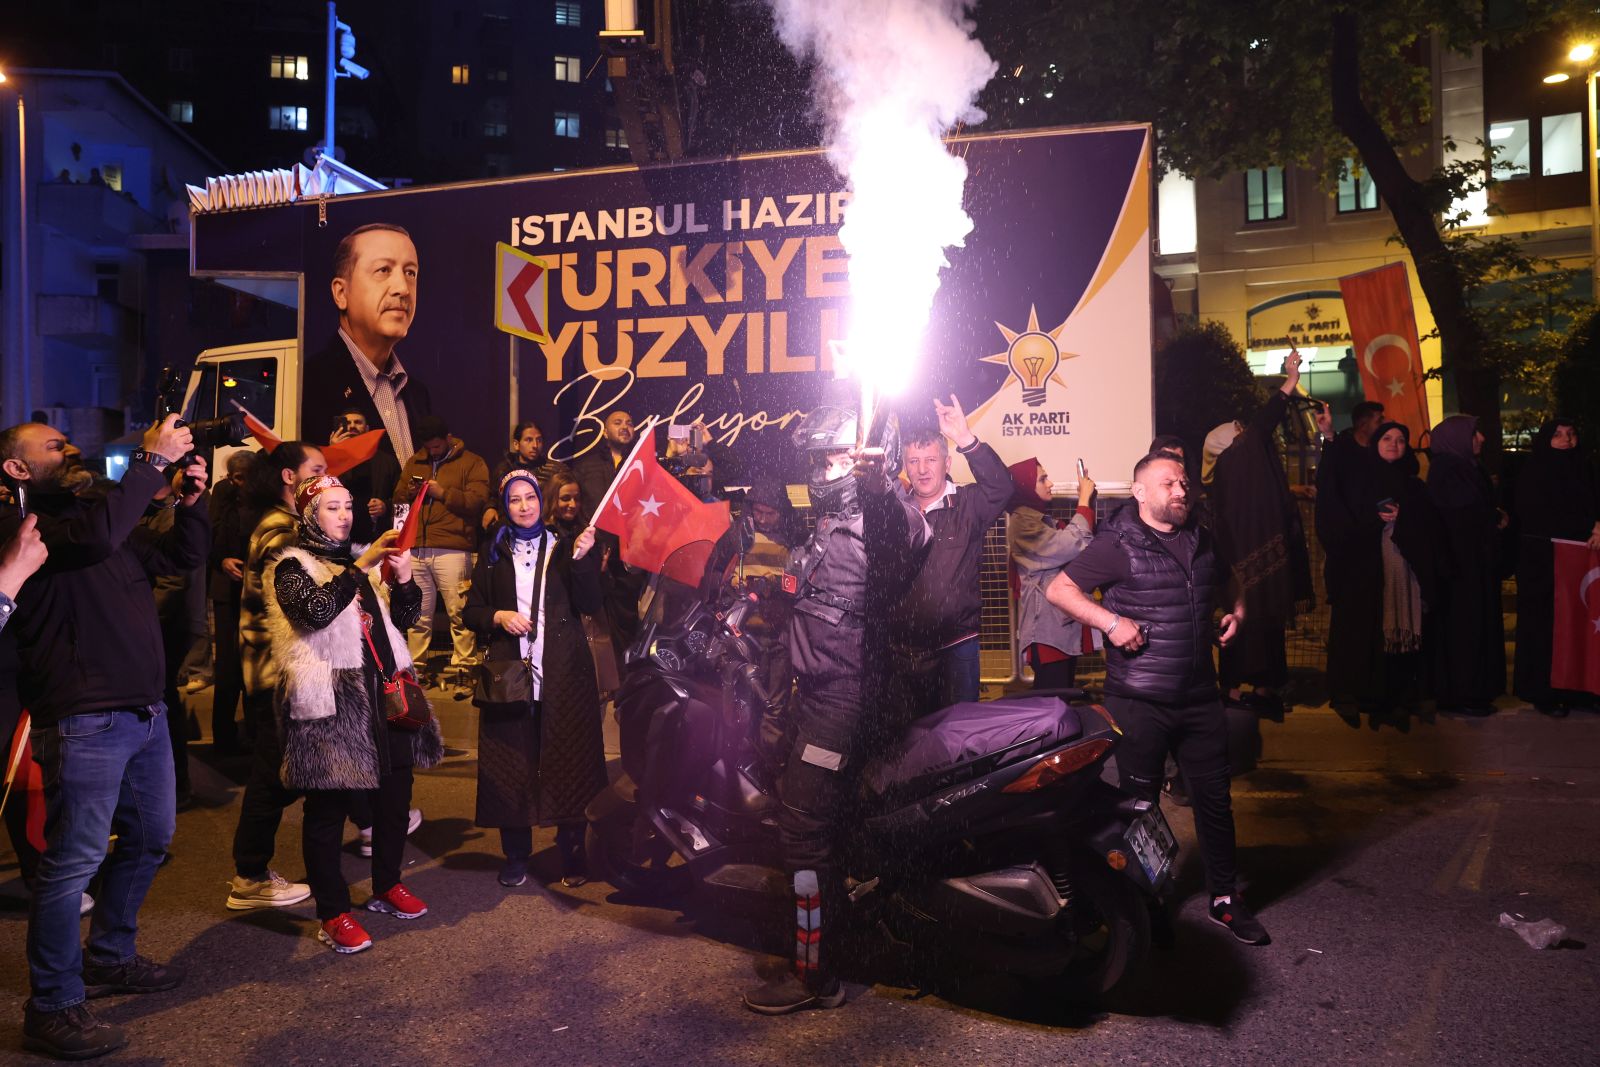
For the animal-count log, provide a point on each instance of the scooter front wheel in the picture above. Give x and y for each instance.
(1111, 929)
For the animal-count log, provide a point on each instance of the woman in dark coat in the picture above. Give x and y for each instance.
(1405, 543)
(1554, 499)
(1467, 651)
(540, 761)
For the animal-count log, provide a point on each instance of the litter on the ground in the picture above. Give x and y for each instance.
(1541, 934)
(1318, 951)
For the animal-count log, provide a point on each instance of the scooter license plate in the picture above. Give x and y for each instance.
(1151, 840)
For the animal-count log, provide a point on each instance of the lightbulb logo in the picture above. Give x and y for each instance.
(1033, 356)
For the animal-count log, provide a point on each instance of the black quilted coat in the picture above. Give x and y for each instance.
(540, 765)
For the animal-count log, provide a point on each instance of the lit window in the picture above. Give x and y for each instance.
(1263, 194)
(1561, 143)
(569, 13)
(568, 69)
(287, 117)
(494, 129)
(460, 74)
(566, 124)
(616, 137)
(1356, 191)
(1509, 141)
(297, 68)
(181, 111)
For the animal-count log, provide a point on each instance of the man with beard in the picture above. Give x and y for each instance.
(598, 466)
(1160, 578)
(91, 675)
(594, 470)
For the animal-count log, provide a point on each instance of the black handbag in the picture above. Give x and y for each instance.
(510, 681)
(506, 681)
(405, 705)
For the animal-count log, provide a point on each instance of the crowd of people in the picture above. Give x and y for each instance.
(323, 625)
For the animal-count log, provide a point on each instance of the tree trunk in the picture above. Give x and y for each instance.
(1477, 385)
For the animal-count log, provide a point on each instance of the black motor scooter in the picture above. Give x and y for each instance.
(986, 831)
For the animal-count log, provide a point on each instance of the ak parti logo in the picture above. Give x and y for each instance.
(1033, 355)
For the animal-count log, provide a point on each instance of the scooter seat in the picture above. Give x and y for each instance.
(963, 740)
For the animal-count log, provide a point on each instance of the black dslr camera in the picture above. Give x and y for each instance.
(221, 432)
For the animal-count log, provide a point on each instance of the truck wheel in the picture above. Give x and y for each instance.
(1111, 924)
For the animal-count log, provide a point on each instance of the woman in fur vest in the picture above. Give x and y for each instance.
(541, 758)
(335, 643)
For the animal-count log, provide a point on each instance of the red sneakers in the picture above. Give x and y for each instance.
(399, 902)
(343, 934)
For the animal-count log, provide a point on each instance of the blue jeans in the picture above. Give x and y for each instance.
(960, 667)
(105, 772)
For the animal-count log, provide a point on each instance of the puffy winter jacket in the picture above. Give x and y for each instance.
(1175, 601)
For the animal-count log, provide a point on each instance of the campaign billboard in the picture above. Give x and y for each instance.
(711, 290)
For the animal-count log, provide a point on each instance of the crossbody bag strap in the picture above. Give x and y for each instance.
(366, 632)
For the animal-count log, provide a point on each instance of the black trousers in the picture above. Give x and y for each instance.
(322, 839)
(228, 674)
(818, 775)
(261, 810)
(1197, 735)
(1061, 674)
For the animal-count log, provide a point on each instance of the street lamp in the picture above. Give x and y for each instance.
(1584, 54)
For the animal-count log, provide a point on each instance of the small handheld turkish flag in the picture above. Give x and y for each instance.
(1575, 649)
(660, 524)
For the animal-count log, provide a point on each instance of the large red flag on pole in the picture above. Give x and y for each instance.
(662, 526)
(1383, 333)
(1575, 651)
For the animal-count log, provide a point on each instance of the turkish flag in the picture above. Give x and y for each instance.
(351, 453)
(258, 429)
(663, 528)
(1383, 334)
(24, 778)
(1575, 655)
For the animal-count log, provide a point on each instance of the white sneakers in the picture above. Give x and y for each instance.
(274, 891)
(413, 820)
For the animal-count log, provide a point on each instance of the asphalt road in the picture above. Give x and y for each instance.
(1379, 861)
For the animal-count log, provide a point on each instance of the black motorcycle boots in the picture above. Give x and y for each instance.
(810, 983)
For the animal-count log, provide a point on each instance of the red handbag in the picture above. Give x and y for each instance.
(405, 705)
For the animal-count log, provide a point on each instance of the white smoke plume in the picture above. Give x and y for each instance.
(893, 76)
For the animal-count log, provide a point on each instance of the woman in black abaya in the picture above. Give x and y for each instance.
(1404, 552)
(1554, 499)
(1466, 650)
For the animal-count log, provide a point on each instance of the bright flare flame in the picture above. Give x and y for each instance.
(893, 77)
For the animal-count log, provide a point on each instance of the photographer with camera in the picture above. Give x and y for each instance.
(91, 675)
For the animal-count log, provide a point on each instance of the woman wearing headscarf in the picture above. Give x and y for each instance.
(1554, 499)
(337, 644)
(541, 757)
(1261, 538)
(1467, 654)
(1051, 641)
(1406, 540)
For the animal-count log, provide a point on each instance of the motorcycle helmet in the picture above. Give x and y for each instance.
(824, 431)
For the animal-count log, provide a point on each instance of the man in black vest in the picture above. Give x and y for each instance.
(1160, 578)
